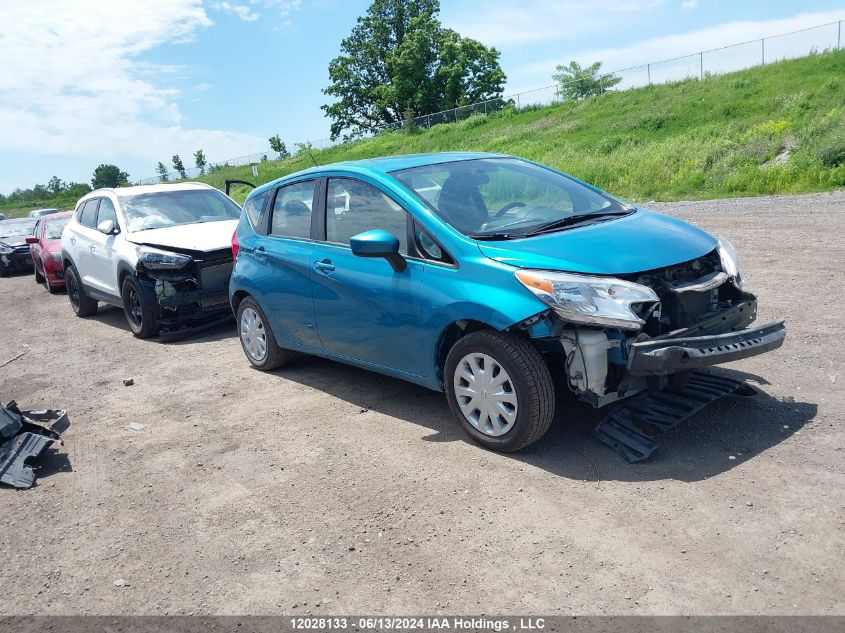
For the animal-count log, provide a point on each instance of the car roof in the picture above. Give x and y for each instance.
(139, 189)
(382, 165)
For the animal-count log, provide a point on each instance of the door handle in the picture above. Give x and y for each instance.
(324, 266)
(260, 254)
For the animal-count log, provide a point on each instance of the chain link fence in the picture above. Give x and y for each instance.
(700, 65)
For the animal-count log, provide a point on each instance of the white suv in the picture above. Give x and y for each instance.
(161, 252)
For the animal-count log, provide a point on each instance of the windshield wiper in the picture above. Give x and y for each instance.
(571, 220)
(494, 236)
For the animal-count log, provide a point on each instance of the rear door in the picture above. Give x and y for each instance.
(282, 261)
(364, 309)
(84, 243)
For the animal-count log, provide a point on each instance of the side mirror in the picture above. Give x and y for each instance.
(31, 239)
(378, 243)
(108, 227)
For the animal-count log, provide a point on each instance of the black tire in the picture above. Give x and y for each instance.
(39, 278)
(82, 304)
(530, 380)
(142, 318)
(4, 272)
(274, 355)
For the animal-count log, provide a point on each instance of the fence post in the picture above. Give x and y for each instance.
(701, 65)
(763, 50)
(648, 68)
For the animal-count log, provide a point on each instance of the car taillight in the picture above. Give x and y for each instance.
(235, 245)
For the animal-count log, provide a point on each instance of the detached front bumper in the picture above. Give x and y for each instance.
(660, 357)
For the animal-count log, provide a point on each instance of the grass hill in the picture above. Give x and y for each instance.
(778, 128)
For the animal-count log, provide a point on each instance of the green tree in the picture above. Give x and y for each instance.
(579, 82)
(56, 185)
(161, 170)
(179, 167)
(199, 160)
(400, 60)
(278, 146)
(109, 176)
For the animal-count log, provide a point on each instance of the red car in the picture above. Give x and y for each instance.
(46, 249)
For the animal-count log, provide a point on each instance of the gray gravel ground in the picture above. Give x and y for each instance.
(321, 488)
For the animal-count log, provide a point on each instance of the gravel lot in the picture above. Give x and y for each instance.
(326, 489)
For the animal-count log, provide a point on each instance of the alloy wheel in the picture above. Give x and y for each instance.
(485, 394)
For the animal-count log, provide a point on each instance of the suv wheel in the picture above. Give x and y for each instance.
(500, 389)
(257, 338)
(82, 304)
(141, 318)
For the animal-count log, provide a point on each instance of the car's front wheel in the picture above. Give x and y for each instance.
(39, 278)
(500, 389)
(141, 317)
(82, 304)
(257, 338)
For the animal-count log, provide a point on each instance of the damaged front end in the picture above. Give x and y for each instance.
(188, 290)
(649, 332)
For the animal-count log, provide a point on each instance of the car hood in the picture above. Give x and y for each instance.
(13, 242)
(201, 237)
(53, 246)
(643, 240)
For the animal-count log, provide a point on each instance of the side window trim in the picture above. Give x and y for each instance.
(96, 202)
(409, 218)
(114, 209)
(417, 253)
(267, 224)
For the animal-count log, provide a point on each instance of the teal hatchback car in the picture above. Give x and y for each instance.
(487, 277)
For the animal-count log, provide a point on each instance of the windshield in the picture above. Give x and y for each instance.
(53, 229)
(172, 208)
(490, 195)
(16, 228)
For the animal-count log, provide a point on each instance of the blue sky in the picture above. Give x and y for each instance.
(133, 82)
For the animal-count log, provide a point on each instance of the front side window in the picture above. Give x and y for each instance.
(491, 195)
(88, 217)
(53, 229)
(106, 212)
(292, 210)
(354, 207)
(173, 208)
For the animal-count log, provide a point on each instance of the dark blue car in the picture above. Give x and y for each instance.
(485, 276)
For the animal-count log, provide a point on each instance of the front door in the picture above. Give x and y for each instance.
(365, 310)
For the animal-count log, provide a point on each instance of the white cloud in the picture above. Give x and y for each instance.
(537, 20)
(672, 46)
(73, 84)
(689, 4)
(251, 10)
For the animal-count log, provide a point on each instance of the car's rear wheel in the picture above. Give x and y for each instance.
(257, 339)
(140, 316)
(82, 304)
(500, 389)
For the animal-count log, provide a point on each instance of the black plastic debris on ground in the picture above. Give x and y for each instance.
(621, 429)
(25, 435)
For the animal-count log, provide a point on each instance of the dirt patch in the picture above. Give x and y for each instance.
(323, 488)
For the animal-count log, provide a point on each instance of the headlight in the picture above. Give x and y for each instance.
(730, 262)
(5, 250)
(161, 260)
(57, 257)
(585, 299)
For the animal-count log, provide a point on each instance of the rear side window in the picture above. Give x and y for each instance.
(88, 217)
(106, 212)
(253, 208)
(354, 207)
(292, 210)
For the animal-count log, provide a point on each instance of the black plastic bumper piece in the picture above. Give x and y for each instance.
(659, 357)
(663, 410)
(25, 436)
